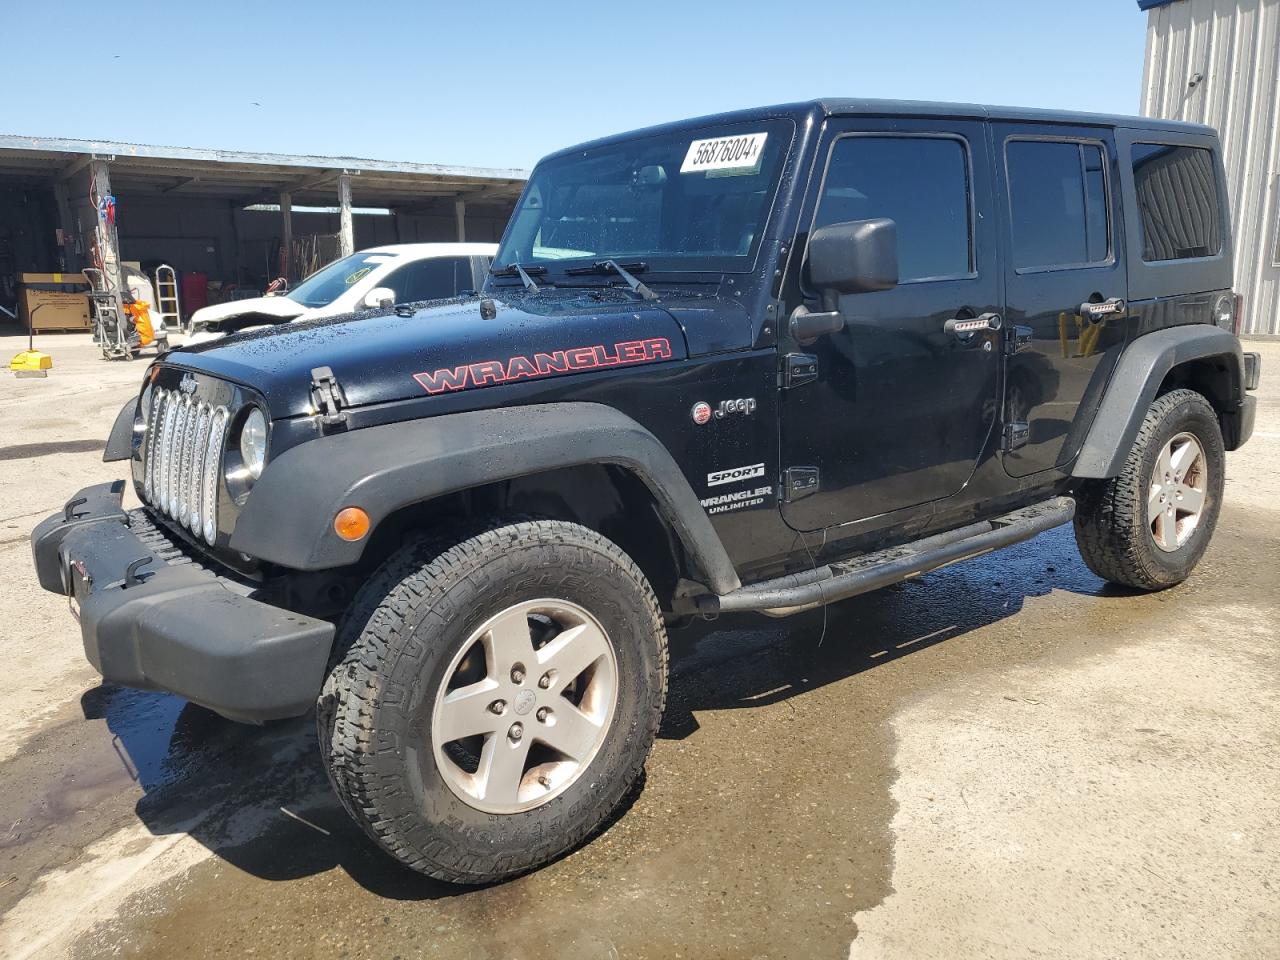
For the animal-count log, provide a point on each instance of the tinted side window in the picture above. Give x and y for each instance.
(921, 183)
(432, 279)
(1177, 202)
(1057, 203)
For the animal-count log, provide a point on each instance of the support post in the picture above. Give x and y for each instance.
(69, 253)
(286, 233)
(460, 217)
(235, 213)
(346, 230)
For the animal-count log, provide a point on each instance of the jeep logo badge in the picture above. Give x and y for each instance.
(701, 413)
(187, 384)
(745, 405)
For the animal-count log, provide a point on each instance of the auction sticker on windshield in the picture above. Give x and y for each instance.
(725, 153)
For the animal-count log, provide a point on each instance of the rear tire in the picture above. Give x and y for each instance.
(490, 633)
(1148, 527)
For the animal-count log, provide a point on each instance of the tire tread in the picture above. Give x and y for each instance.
(1110, 527)
(419, 577)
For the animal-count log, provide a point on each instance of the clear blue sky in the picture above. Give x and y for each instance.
(501, 84)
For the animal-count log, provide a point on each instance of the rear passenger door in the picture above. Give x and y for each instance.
(1061, 226)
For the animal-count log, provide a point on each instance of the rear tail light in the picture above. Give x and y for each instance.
(1237, 316)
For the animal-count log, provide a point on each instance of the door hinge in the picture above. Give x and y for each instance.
(1018, 338)
(327, 397)
(1016, 433)
(799, 482)
(797, 369)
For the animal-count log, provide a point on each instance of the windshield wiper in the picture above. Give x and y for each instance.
(514, 269)
(612, 266)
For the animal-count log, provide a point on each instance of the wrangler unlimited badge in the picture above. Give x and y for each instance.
(727, 502)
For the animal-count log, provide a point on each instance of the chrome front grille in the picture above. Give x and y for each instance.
(182, 457)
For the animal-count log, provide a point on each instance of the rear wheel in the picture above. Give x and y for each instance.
(1148, 527)
(496, 699)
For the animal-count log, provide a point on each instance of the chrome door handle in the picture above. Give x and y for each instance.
(978, 324)
(1100, 311)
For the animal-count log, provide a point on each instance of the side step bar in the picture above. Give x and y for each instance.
(798, 592)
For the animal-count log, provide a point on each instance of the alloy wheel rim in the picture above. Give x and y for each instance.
(525, 706)
(1177, 494)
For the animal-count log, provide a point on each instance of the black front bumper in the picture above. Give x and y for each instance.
(176, 626)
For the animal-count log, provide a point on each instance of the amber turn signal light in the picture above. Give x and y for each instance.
(351, 523)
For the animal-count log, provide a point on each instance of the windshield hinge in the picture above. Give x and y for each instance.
(327, 397)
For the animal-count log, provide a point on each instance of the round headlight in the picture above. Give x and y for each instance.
(253, 442)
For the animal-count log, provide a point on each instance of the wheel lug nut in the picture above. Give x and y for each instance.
(516, 732)
(517, 674)
(497, 706)
(543, 713)
(545, 680)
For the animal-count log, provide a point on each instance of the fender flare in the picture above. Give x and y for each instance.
(120, 440)
(1138, 375)
(287, 518)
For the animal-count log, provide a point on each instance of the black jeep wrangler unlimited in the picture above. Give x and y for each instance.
(759, 361)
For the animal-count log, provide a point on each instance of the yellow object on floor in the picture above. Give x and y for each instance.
(31, 361)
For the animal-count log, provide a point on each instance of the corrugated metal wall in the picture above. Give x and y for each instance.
(1235, 47)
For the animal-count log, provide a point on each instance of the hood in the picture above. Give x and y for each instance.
(380, 357)
(278, 308)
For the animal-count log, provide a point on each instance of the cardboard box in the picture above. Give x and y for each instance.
(54, 301)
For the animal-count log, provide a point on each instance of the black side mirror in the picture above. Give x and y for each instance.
(856, 256)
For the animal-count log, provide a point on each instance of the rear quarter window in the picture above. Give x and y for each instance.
(1179, 208)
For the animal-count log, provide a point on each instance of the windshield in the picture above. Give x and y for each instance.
(694, 200)
(329, 283)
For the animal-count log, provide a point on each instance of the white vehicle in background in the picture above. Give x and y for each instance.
(396, 273)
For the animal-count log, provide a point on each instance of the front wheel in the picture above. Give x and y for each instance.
(496, 699)
(1148, 527)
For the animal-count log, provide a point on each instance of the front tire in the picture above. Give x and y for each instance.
(1148, 527)
(496, 698)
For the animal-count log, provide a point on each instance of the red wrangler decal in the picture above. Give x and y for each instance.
(490, 372)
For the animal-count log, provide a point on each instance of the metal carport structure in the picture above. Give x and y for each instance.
(213, 209)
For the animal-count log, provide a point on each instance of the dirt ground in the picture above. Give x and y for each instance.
(1003, 759)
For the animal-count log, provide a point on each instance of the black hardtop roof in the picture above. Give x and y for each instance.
(845, 107)
(927, 108)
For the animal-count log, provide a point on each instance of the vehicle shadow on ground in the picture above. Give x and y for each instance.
(258, 797)
(761, 661)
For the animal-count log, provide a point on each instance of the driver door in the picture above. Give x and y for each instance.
(901, 408)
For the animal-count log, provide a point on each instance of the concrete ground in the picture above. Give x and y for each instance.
(1003, 759)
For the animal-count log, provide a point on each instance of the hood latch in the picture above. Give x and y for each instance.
(327, 397)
